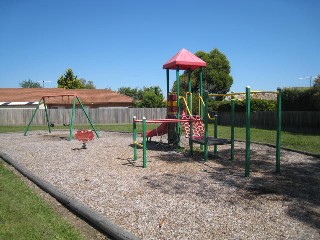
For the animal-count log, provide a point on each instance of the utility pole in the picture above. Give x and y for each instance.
(306, 78)
(43, 82)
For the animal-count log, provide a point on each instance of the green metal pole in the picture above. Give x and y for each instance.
(134, 138)
(232, 128)
(248, 109)
(215, 133)
(32, 117)
(169, 136)
(190, 108)
(144, 131)
(178, 102)
(87, 115)
(190, 139)
(168, 83)
(189, 90)
(201, 95)
(279, 120)
(72, 118)
(47, 115)
(206, 128)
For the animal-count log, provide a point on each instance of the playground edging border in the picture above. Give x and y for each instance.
(95, 219)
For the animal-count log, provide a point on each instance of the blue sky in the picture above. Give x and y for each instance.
(269, 43)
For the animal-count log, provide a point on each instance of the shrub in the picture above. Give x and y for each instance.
(261, 105)
(297, 99)
(315, 99)
(240, 105)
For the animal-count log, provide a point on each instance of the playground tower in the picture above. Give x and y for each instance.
(183, 60)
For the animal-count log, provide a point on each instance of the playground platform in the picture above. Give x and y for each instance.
(211, 141)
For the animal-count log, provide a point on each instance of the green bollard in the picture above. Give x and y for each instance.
(278, 153)
(247, 161)
(232, 128)
(206, 128)
(190, 139)
(215, 133)
(144, 132)
(134, 124)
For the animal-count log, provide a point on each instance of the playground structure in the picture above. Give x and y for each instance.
(206, 140)
(75, 99)
(184, 60)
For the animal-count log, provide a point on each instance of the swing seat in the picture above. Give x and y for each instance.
(84, 135)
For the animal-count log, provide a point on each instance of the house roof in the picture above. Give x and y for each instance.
(185, 60)
(87, 96)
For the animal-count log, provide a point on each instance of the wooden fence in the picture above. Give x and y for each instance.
(9, 117)
(291, 120)
(298, 121)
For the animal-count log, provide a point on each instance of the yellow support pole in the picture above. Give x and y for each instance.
(185, 103)
(201, 100)
(238, 93)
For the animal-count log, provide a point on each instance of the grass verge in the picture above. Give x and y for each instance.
(24, 215)
(110, 127)
(296, 141)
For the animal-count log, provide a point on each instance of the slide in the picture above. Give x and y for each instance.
(161, 130)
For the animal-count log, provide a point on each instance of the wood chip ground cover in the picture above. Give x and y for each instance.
(176, 196)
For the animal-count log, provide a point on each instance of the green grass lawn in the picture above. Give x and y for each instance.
(110, 127)
(24, 215)
(296, 141)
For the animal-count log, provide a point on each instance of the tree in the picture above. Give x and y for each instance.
(152, 97)
(148, 97)
(216, 75)
(151, 100)
(30, 84)
(184, 84)
(135, 93)
(316, 82)
(87, 84)
(69, 81)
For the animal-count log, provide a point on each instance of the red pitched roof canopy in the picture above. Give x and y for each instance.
(185, 60)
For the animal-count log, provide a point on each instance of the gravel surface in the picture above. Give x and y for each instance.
(176, 196)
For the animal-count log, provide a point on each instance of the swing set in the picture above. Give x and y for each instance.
(75, 99)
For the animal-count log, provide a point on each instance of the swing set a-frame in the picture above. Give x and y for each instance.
(74, 100)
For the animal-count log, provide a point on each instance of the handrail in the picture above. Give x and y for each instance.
(238, 93)
(224, 94)
(185, 102)
(188, 93)
(201, 100)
